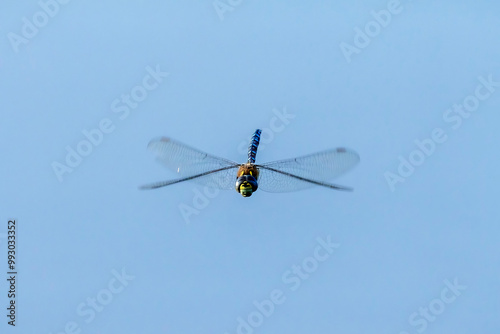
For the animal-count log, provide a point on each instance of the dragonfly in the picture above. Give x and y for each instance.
(278, 176)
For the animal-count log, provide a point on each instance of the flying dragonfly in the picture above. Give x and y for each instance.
(278, 176)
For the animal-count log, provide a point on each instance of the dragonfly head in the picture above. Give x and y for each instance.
(246, 185)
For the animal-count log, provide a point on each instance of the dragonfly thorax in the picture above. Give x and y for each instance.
(246, 179)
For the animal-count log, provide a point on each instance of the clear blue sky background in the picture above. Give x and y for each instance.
(397, 248)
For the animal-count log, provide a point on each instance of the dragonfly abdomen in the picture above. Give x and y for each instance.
(254, 144)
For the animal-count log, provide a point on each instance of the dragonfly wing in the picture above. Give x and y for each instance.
(223, 178)
(306, 171)
(275, 181)
(192, 164)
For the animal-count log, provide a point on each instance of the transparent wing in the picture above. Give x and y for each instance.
(306, 171)
(192, 164)
(223, 178)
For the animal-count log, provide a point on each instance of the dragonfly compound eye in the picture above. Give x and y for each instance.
(246, 185)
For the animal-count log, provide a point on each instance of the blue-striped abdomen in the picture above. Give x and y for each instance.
(254, 144)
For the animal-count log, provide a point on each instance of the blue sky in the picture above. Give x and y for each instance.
(413, 249)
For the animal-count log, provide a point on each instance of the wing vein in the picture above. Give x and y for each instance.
(324, 184)
(170, 182)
